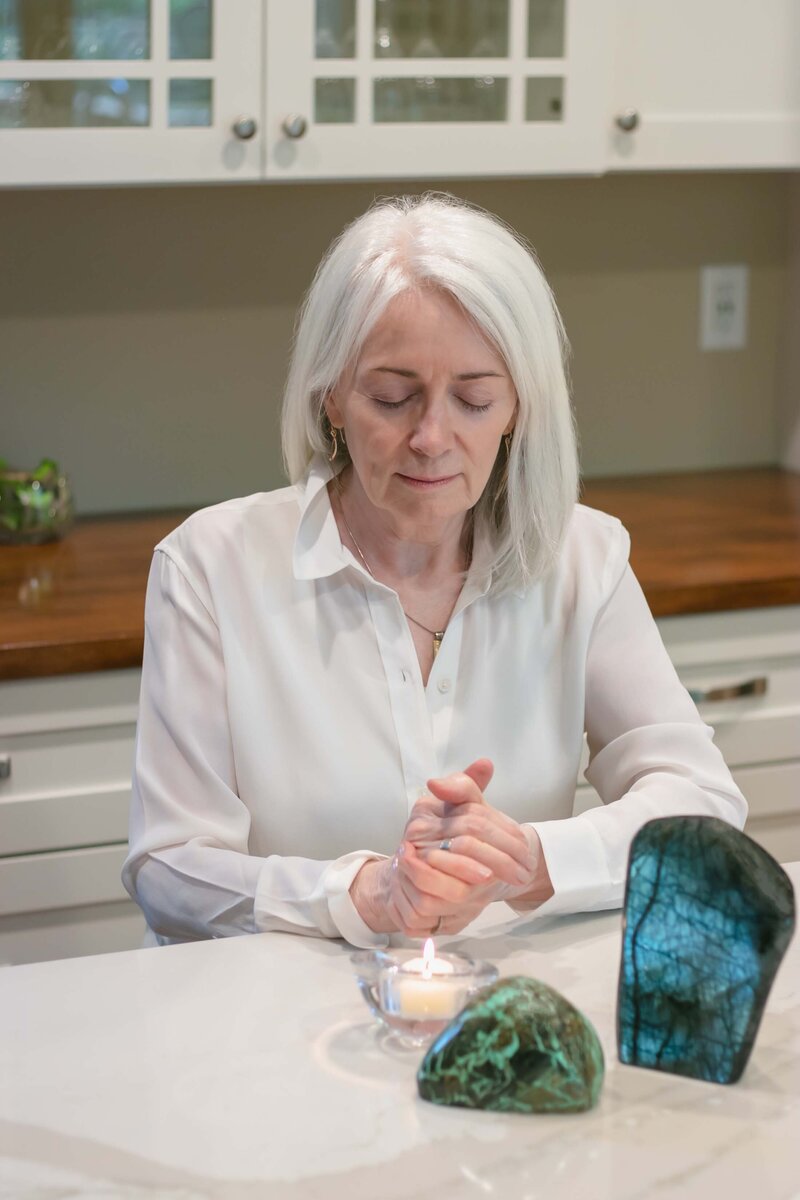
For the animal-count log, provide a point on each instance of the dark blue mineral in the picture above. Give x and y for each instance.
(708, 916)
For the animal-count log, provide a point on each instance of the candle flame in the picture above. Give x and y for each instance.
(428, 958)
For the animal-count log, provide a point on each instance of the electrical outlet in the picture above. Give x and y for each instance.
(723, 307)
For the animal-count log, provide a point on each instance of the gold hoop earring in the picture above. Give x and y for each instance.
(507, 438)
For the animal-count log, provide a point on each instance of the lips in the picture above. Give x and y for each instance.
(424, 479)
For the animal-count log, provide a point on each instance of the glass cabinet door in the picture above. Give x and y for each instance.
(120, 91)
(421, 88)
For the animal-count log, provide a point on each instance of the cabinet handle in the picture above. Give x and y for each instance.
(294, 126)
(732, 691)
(628, 120)
(5, 766)
(245, 128)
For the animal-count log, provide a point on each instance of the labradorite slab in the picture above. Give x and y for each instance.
(708, 915)
(519, 1046)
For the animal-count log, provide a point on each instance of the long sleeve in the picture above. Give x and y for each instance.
(650, 752)
(188, 864)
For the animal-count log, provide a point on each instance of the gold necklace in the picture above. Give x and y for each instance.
(436, 634)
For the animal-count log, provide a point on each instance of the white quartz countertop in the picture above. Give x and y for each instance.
(249, 1067)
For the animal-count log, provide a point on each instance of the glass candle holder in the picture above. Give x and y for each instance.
(35, 505)
(416, 997)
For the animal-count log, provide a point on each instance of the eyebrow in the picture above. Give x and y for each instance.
(413, 374)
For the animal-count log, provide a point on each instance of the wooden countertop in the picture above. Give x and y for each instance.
(701, 542)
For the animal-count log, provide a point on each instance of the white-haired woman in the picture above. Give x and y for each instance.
(364, 696)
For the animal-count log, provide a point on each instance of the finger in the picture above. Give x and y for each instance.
(511, 867)
(458, 788)
(478, 821)
(481, 772)
(455, 882)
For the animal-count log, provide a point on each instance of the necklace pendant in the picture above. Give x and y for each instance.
(437, 641)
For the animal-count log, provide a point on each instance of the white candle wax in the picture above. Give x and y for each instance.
(422, 989)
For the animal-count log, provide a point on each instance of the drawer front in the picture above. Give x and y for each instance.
(71, 932)
(61, 879)
(63, 762)
(751, 729)
(69, 701)
(65, 821)
(772, 793)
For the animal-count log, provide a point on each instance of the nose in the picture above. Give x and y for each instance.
(431, 433)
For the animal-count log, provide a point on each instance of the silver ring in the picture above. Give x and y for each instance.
(446, 844)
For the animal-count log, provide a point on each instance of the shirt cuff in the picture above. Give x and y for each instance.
(344, 914)
(576, 861)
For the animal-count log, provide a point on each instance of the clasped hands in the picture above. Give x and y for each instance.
(425, 889)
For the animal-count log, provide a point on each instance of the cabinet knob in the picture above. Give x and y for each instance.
(750, 687)
(628, 120)
(245, 128)
(294, 126)
(5, 766)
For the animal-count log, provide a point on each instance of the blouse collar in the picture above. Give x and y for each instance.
(318, 550)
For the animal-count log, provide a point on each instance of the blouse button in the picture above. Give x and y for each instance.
(406, 675)
(444, 685)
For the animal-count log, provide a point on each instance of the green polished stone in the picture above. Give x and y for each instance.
(519, 1046)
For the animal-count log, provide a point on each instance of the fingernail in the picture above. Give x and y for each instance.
(522, 876)
(485, 873)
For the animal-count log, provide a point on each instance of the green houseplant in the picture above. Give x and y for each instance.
(35, 505)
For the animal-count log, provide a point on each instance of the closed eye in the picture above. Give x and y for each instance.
(475, 408)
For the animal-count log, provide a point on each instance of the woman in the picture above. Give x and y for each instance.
(325, 663)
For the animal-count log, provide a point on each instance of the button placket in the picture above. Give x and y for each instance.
(440, 691)
(412, 720)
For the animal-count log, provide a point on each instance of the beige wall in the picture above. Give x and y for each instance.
(144, 332)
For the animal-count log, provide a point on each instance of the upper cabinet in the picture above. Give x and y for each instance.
(366, 88)
(123, 91)
(160, 91)
(705, 85)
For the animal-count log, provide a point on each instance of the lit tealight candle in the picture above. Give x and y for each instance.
(421, 989)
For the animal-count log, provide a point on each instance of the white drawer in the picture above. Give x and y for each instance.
(61, 879)
(64, 821)
(71, 932)
(751, 729)
(67, 748)
(772, 792)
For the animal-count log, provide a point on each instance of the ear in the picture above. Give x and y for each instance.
(331, 406)
(510, 426)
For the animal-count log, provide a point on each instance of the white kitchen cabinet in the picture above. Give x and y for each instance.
(758, 733)
(408, 88)
(133, 91)
(66, 753)
(68, 744)
(708, 85)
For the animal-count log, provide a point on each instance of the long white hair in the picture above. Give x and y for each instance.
(438, 240)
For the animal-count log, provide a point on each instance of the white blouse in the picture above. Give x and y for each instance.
(285, 733)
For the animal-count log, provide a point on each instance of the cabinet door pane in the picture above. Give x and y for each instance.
(545, 28)
(334, 101)
(440, 99)
(544, 99)
(73, 103)
(74, 29)
(335, 29)
(441, 28)
(190, 29)
(190, 102)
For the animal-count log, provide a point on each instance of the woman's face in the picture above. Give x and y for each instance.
(424, 410)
